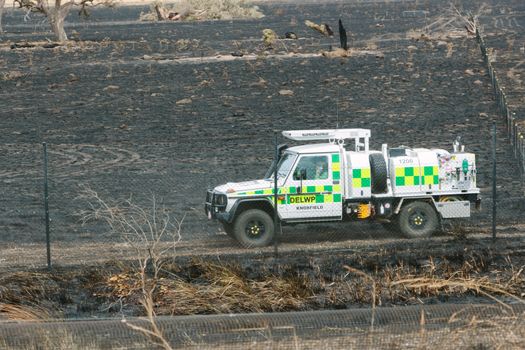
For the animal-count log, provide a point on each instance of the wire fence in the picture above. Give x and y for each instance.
(121, 187)
(70, 217)
(449, 326)
(515, 126)
(215, 272)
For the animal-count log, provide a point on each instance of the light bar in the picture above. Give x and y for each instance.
(327, 134)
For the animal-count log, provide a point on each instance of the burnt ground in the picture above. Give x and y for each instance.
(504, 37)
(470, 271)
(106, 105)
(503, 26)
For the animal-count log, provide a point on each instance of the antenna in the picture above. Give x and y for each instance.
(337, 107)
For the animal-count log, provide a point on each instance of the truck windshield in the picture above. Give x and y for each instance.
(284, 166)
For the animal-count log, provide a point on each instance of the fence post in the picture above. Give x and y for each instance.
(46, 209)
(522, 157)
(494, 180)
(521, 148)
(275, 201)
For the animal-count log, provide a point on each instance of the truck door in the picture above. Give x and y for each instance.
(313, 190)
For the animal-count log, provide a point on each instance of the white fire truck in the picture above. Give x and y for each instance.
(408, 190)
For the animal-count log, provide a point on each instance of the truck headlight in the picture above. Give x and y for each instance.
(221, 199)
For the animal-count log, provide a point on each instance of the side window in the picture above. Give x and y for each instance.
(316, 168)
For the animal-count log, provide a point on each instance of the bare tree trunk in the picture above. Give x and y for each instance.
(56, 19)
(2, 3)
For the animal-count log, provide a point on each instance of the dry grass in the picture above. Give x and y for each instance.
(59, 339)
(472, 277)
(481, 286)
(373, 292)
(203, 287)
(196, 10)
(27, 287)
(222, 9)
(478, 333)
(352, 52)
(452, 23)
(216, 288)
(321, 28)
(12, 312)
(144, 229)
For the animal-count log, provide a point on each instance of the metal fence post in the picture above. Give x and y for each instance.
(522, 157)
(275, 201)
(46, 209)
(494, 180)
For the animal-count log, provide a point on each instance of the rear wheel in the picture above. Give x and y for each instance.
(418, 219)
(254, 228)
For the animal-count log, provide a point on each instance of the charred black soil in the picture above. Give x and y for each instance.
(457, 271)
(141, 109)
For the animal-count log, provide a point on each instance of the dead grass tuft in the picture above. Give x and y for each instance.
(13, 75)
(269, 37)
(183, 287)
(472, 277)
(197, 10)
(425, 285)
(321, 28)
(451, 23)
(216, 288)
(341, 53)
(33, 313)
(337, 53)
(27, 287)
(203, 287)
(224, 288)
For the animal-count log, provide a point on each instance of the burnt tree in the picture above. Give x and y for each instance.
(57, 12)
(2, 3)
(342, 36)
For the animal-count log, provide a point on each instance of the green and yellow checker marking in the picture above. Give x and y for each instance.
(309, 194)
(430, 175)
(408, 176)
(314, 194)
(292, 190)
(336, 167)
(361, 178)
(415, 176)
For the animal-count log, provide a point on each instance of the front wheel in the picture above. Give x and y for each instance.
(254, 228)
(418, 219)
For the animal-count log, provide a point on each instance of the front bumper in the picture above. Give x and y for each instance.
(215, 206)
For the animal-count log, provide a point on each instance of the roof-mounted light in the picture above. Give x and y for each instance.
(360, 136)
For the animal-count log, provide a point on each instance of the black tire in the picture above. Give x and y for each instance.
(418, 219)
(378, 173)
(254, 228)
